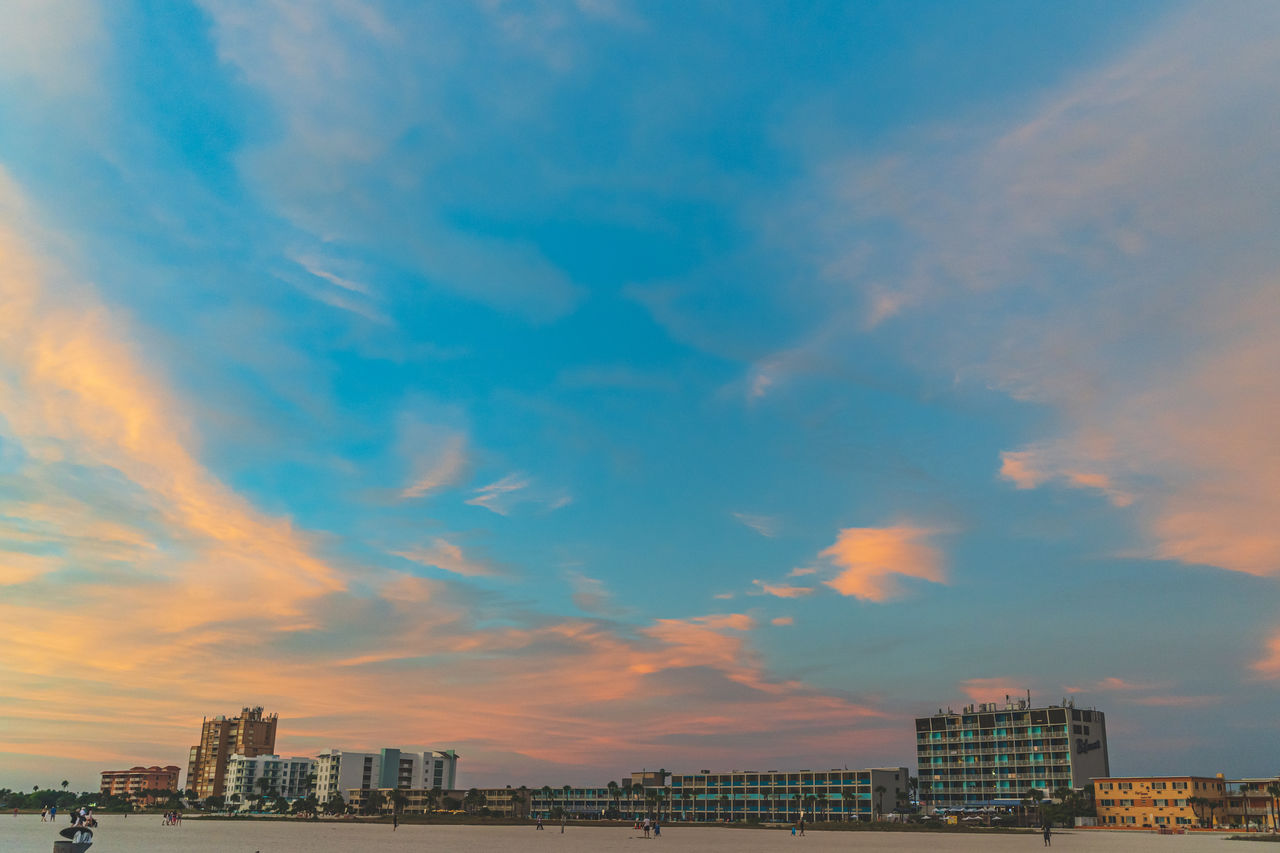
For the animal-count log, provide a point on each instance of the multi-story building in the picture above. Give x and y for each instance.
(130, 783)
(1159, 801)
(250, 733)
(251, 776)
(992, 754)
(1250, 803)
(339, 771)
(787, 796)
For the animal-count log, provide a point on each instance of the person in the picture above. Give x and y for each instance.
(44, 814)
(540, 826)
(1048, 835)
(802, 827)
(646, 827)
(395, 822)
(53, 812)
(657, 829)
(793, 830)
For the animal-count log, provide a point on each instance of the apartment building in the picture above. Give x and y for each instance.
(1159, 801)
(339, 772)
(130, 783)
(991, 754)
(788, 795)
(250, 776)
(250, 733)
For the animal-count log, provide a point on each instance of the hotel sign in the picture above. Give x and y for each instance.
(1083, 746)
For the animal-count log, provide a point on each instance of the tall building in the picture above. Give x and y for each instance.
(991, 754)
(281, 777)
(340, 771)
(129, 783)
(1160, 801)
(250, 733)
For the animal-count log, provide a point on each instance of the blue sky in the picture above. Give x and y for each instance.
(595, 385)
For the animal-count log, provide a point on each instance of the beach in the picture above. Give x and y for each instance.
(144, 834)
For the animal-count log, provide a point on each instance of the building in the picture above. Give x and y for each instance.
(249, 777)
(1250, 804)
(787, 796)
(1159, 801)
(338, 772)
(249, 734)
(766, 796)
(992, 754)
(130, 783)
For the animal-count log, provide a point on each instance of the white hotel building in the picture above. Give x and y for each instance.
(339, 771)
(285, 777)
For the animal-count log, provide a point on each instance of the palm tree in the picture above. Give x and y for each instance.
(1196, 803)
(1032, 797)
(903, 800)
(822, 803)
(567, 789)
(1244, 805)
(924, 789)
(625, 789)
(799, 801)
(65, 783)
(881, 790)
(686, 798)
(1273, 791)
(614, 793)
(723, 802)
(551, 798)
(809, 800)
(524, 801)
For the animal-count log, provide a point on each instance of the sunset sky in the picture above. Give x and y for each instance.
(603, 385)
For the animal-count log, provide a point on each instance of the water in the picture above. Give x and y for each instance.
(144, 834)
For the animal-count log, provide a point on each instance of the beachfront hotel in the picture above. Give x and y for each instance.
(345, 772)
(247, 776)
(250, 733)
(1160, 801)
(789, 795)
(130, 783)
(991, 754)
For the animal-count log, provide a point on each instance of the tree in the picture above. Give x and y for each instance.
(1244, 804)
(435, 797)
(615, 793)
(374, 802)
(65, 783)
(399, 801)
(686, 799)
(1196, 804)
(881, 790)
(925, 789)
(1273, 792)
(721, 804)
(822, 804)
(1032, 797)
(336, 805)
(809, 801)
(799, 801)
(215, 802)
(551, 798)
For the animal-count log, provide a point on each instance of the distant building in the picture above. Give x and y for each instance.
(247, 776)
(1156, 801)
(786, 796)
(992, 754)
(249, 734)
(340, 771)
(1250, 803)
(129, 783)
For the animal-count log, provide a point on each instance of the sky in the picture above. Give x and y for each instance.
(589, 386)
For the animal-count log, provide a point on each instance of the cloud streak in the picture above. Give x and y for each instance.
(872, 561)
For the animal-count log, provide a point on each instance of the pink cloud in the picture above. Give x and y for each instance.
(874, 559)
(1269, 664)
(782, 620)
(992, 689)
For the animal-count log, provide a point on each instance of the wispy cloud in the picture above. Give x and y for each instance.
(437, 466)
(497, 496)
(782, 590)
(765, 525)
(443, 554)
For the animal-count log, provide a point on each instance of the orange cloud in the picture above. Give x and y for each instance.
(443, 554)
(1269, 664)
(782, 620)
(874, 558)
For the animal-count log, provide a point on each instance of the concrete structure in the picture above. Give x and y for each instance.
(787, 796)
(1158, 801)
(991, 754)
(129, 783)
(249, 734)
(342, 771)
(284, 777)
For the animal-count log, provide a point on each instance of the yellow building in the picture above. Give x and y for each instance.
(252, 733)
(1159, 801)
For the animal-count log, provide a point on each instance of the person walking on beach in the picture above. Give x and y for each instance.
(1048, 835)
(395, 822)
(802, 827)
(44, 814)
